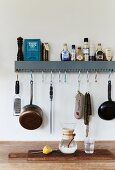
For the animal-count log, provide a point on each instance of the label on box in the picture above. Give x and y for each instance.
(32, 49)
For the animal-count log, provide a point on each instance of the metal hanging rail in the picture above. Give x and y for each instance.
(65, 66)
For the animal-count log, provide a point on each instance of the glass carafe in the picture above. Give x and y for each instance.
(68, 145)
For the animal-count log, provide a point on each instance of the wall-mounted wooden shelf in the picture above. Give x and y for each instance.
(65, 66)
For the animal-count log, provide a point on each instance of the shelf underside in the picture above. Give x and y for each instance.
(65, 66)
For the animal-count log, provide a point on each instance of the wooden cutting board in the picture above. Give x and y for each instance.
(17, 155)
(101, 154)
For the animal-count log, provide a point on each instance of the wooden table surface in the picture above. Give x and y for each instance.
(22, 164)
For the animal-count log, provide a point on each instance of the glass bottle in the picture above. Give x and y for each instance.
(86, 49)
(108, 54)
(99, 55)
(92, 53)
(68, 145)
(73, 53)
(65, 54)
(45, 48)
(79, 54)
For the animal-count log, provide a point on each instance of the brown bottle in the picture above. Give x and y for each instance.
(45, 51)
(99, 55)
(79, 56)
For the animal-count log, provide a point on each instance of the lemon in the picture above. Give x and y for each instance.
(47, 149)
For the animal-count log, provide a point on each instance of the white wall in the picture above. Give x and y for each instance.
(54, 21)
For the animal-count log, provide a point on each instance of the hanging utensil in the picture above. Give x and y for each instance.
(17, 98)
(106, 110)
(89, 104)
(31, 115)
(86, 116)
(79, 102)
(51, 105)
(87, 107)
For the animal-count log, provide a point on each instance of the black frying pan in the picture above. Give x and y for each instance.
(107, 109)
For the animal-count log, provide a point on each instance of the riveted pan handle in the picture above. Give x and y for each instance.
(31, 92)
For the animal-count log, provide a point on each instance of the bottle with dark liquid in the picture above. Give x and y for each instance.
(99, 55)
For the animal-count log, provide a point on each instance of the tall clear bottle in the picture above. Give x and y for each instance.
(65, 54)
(86, 49)
(92, 52)
(73, 53)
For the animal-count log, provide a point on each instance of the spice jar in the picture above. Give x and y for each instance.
(68, 145)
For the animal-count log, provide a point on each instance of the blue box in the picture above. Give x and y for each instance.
(32, 50)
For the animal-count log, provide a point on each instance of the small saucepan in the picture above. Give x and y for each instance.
(106, 110)
(31, 115)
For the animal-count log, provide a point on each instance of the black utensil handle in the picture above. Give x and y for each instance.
(31, 92)
(89, 104)
(109, 90)
(51, 92)
(17, 87)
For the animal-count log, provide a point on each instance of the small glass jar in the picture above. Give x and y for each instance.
(68, 145)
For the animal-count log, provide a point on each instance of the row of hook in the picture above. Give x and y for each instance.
(79, 75)
(65, 76)
(51, 77)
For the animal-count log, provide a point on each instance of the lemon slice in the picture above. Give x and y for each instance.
(47, 149)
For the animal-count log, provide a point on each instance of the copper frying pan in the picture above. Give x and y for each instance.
(31, 115)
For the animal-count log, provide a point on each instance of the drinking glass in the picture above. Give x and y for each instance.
(89, 144)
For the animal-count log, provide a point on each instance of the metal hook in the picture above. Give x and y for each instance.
(65, 77)
(96, 77)
(87, 77)
(17, 75)
(109, 77)
(31, 76)
(88, 88)
(59, 77)
(79, 80)
(42, 77)
(79, 74)
(51, 77)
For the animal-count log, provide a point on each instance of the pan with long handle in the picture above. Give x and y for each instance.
(31, 115)
(106, 110)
